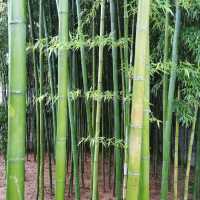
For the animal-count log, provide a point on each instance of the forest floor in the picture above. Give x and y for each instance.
(106, 193)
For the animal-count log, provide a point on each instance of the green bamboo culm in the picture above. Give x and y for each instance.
(35, 71)
(51, 82)
(73, 119)
(85, 82)
(36, 81)
(63, 11)
(189, 157)
(176, 149)
(74, 146)
(118, 176)
(196, 192)
(127, 102)
(16, 100)
(166, 57)
(145, 152)
(138, 101)
(168, 122)
(98, 110)
(84, 71)
(41, 106)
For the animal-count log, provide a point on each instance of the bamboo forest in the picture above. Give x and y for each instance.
(99, 99)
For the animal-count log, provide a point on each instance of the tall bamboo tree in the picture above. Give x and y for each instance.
(17, 100)
(63, 11)
(189, 157)
(84, 70)
(176, 154)
(168, 122)
(41, 106)
(126, 100)
(98, 110)
(145, 152)
(137, 115)
(35, 71)
(118, 176)
(166, 57)
(196, 193)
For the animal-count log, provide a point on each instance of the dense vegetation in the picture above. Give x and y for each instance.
(115, 81)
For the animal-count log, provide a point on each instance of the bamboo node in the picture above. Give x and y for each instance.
(59, 140)
(62, 12)
(135, 126)
(143, 29)
(145, 157)
(17, 92)
(16, 159)
(62, 97)
(60, 181)
(17, 21)
(138, 78)
(133, 173)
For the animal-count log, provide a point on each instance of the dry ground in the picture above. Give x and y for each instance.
(105, 193)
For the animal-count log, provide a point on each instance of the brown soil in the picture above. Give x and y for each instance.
(106, 193)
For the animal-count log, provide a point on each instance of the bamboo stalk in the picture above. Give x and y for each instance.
(73, 142)
(35, 70)
(84, 71)
(16, 100)
(62, 129)
(137, 115)
(98, 110)
(166, 57)
(176, 156)
(168, 122)
(196, 192)
(51, 81)
(41, 106)
(145, 159)
(118, 176)
(189, 156)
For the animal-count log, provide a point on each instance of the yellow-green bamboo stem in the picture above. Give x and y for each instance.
(168, 122)
(145, 155)
(16, 100)
(61, 137)
(41, 105)
(118, 177)
(187, 176)
(176, 156)
(166, 57)
(98, 111)
(137, 114)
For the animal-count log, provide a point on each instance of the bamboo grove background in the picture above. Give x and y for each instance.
(116, 81)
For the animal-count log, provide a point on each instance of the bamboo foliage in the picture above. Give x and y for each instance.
(137, 114)
(17, 100)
